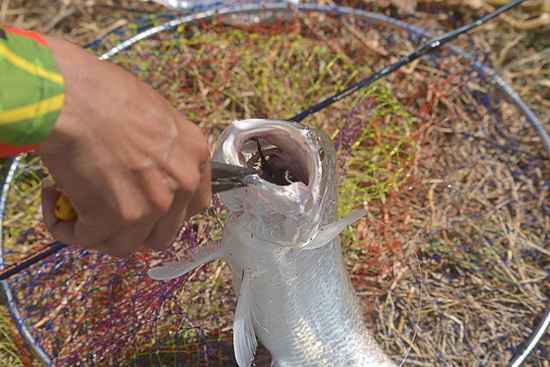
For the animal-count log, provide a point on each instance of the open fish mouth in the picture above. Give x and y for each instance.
(278, 166)
(288, 155)
(287, 192)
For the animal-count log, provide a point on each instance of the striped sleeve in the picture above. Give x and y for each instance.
(32, 91)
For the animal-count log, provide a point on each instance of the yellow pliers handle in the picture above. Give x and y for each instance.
(63, 209)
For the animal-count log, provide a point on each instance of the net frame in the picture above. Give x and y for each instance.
(248, 9)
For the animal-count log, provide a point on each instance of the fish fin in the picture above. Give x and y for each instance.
(195, 258)
(330, 231)
(244, 336)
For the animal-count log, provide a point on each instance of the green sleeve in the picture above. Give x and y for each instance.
(32, 91)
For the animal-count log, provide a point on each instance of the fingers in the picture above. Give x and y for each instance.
(201, 199)
(184, 207)
(168, 226)
(126, 241)
(61, 230)
(163, 216)
(120, 241)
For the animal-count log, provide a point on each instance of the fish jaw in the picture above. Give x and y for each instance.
(289, 213)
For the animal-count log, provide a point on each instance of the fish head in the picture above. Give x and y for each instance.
(295, 193)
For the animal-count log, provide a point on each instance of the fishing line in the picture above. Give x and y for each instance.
(424, 49)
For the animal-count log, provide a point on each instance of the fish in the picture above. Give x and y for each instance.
(281, 241)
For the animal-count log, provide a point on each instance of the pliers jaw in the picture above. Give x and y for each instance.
(227, 177)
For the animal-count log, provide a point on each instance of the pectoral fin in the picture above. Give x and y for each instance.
(330, 231)
(244, 337)
(175, 269)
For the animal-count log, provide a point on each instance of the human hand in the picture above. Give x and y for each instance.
(132, 166)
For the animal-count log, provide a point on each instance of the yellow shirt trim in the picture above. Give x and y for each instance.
(32, 110)
(29, 67)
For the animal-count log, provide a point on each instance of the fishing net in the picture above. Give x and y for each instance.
(438, 152)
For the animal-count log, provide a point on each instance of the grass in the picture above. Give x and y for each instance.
(380, 158)
(11, 348)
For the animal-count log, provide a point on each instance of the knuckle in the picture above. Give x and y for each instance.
(158, 244)
(190, 181)
(161, 200)
(199, 145)
(204, 206)
(130, 214)
(203, 153)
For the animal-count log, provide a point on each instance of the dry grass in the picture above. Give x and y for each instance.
(472, 207)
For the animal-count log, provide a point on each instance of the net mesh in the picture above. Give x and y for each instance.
(435, 151)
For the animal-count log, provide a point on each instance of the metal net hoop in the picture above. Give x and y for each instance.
(155, 311)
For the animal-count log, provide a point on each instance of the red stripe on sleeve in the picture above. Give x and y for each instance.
(8, 150)
(32, 35)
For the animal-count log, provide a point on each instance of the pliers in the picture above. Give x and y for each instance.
(227, 177)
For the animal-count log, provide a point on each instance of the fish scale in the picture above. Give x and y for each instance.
(311, 315)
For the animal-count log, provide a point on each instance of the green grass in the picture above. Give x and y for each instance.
(10, 350)
(381, 157)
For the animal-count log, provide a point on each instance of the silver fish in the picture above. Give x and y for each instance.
(281, 242)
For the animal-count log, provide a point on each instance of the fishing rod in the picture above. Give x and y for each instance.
(40, 254)
(424, 49)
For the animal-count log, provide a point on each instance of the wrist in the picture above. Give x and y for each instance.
(76, 66)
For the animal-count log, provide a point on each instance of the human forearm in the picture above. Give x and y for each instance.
(133, 167)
